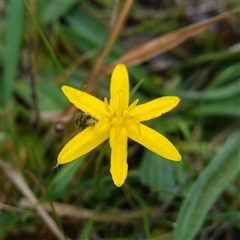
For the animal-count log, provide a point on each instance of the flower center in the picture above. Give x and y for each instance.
(119, 118)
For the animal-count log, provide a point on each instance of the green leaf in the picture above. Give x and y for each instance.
(228, 74)
(75, 37)
(86, 233)
(13, 40)
(157, 172)
(49, 97)
(60, 184)
(215, 57)
(88, 33)
(9, 221)
(213, 180)
(84, 25)
(229, 107)
(227, 91)
(35, 150)
(55, 10)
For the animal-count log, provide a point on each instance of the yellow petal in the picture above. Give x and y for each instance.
(119, 88)
(83, 143)
(155, 108)
(154, 141)
(85, 102)
(119, 165)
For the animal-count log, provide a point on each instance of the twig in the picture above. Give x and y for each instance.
(112, 38)
(66, 210)
(21, 184)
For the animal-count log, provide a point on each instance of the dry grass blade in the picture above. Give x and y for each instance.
(166, 42)
(66, 210)
(21, 184)
(111, 40)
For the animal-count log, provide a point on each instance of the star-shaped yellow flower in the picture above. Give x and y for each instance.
(118, 121)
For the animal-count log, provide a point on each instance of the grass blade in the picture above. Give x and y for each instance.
(55, 10)
(213, 180)
(59, 185)
(13, 42)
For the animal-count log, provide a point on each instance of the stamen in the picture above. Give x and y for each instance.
(132, 106)
(107, 105)
(118, 115)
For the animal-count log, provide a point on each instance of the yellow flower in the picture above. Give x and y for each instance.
(118, 121)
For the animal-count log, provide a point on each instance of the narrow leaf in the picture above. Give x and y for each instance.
(225, 92)
(12, 42)
(55, 10)
(157, 173)
(228, 107)
(61, 182)
(213, 180)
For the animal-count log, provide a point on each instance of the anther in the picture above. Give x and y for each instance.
(106, 105)
(132, 106)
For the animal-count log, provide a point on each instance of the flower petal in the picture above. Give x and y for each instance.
(83, 143)
(119, 88)
(86, 102)
(155, 108)
(154, 141)
(119, 165)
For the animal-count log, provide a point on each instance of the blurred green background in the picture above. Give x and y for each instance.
(45, 44)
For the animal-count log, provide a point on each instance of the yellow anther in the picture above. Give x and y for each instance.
(132, 106)
(106, 105)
